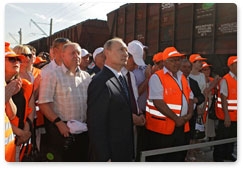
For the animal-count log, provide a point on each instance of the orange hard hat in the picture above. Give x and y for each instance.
(195, 57)
(231, 60)
(170, 52)
(158, 57)
(39, 59)
(205, 64)
(10, 53)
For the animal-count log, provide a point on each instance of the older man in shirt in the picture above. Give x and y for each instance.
(62, 99)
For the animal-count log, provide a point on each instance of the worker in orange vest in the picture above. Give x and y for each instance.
(10, 108)
(227, 113)
(22, 97)
(169, 107)
(10, 113)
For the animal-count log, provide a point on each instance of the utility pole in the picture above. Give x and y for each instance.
(51, 27)
(20, 36)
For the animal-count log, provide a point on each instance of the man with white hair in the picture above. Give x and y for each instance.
(63, 101)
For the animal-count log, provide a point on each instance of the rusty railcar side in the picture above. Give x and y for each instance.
(90, 34)
(206, 28)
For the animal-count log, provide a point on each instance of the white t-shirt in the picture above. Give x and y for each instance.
(201, 80)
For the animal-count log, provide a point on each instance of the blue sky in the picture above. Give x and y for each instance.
(19, 15)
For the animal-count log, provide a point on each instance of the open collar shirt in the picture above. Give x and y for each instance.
(67, 91)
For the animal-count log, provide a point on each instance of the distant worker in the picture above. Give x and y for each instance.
(158, 62)
(99, 60)
(85, 55)
(39, 62)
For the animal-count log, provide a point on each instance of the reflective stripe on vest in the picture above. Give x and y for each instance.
(156, 112)
(231, 99)
(9, 142)
(155, 120)
(231, 104)
(9, 136)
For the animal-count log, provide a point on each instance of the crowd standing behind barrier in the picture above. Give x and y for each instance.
(144, 138)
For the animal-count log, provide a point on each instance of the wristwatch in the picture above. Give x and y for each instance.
(57, 120)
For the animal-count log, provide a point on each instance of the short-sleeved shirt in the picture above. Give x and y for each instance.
(224, 86)
(47, 69)
(201, 80)
(139, 74)
(67, 91)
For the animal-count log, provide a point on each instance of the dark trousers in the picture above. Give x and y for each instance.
(141, 141)
(66, 149)
(224, 151)
(157, 141)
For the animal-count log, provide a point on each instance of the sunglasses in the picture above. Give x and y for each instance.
(27, 55)
(14, 59)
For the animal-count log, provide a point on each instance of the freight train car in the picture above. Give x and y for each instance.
(90, 35)
(209, 29)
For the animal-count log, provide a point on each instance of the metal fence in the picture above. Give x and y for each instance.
(144, 154)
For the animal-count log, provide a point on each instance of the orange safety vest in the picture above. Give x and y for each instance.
(10, 148)
(155, 120)
(231, 99)
(28, 90)
(36, 72)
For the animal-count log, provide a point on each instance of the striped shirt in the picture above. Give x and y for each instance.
(67, 91)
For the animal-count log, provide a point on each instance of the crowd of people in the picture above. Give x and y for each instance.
(110, 105)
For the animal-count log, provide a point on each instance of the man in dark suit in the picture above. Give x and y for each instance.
(109, 115)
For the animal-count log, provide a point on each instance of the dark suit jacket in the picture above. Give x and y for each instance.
(201, 98)
(109, 119)
(196, 91)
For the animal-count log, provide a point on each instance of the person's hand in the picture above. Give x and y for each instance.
(14, 86)
(63, 128)
(217, 78)
(227, 121)
(200, 110)
(138, 120)
(148, 71)
(22, 137)
(180, 121)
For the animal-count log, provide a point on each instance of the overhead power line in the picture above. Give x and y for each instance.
(35, 23)
(11, 35)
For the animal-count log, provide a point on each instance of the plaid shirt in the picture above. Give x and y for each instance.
(67, 92)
